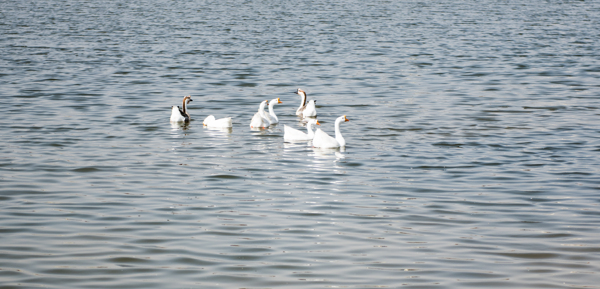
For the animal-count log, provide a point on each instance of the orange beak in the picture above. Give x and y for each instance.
(345, 119)
(318, 122)
(279, 101)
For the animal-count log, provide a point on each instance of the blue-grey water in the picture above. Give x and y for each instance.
(472, 157)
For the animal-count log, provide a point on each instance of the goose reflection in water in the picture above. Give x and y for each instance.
(329, 152)
(212, 130)
(175, 126)
(219, 134)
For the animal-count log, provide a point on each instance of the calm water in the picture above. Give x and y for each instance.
(472, 160)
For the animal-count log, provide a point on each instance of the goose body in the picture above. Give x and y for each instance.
(210, 121)
(306, 110)
(181, 115)
(272, 117)
(291, 134)
(177, 115)
(311, 109)
(260, 120)
(323, 140)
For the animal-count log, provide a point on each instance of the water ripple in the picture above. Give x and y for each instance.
(472, 144)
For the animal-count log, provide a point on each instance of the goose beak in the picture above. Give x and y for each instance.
(318, 123)
(345, 119)
(279, 101)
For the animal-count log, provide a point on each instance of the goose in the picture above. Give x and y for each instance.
(292, 134)
(272, 117)
(260, 120)
(311, 109)
(323, 140)
(210, 121)
(181, 115)
(306, 110)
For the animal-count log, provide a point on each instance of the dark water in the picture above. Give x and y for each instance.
(472, 159)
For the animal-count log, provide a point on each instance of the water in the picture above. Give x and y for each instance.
(472, 157)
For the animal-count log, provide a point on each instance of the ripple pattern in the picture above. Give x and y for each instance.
(472, 155)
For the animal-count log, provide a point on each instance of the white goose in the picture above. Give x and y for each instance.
(323, 140)
(311, 109)
(210, 121)
(181, 115)
(306, 110)
(260, 120)
(272, 117)
(292, 134)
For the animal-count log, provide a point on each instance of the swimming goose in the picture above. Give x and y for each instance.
(323, 140)
(311, 109)
(292, 134)
(210, 121)
(181, 115)
(272, 117)
(260, 120)
(306, 110)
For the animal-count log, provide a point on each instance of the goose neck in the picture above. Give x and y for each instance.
(338, 133)
(271, 105)
(272, 112)
(309, 130)
(261, 109)
(303, 101)
(186, 100)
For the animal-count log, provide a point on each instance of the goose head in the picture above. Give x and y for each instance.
(262, 105)
(341, 119)
(274, 102)
(301, 93)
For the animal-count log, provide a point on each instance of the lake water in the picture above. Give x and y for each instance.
(472, 157)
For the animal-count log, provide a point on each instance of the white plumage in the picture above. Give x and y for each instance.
(311, 109)
(291, 134)
(260, 120)
(323, 140)
(272, 117)
(210, 121)
(181, 115)
(306, 110)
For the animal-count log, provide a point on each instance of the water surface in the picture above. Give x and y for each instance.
(472, 155)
